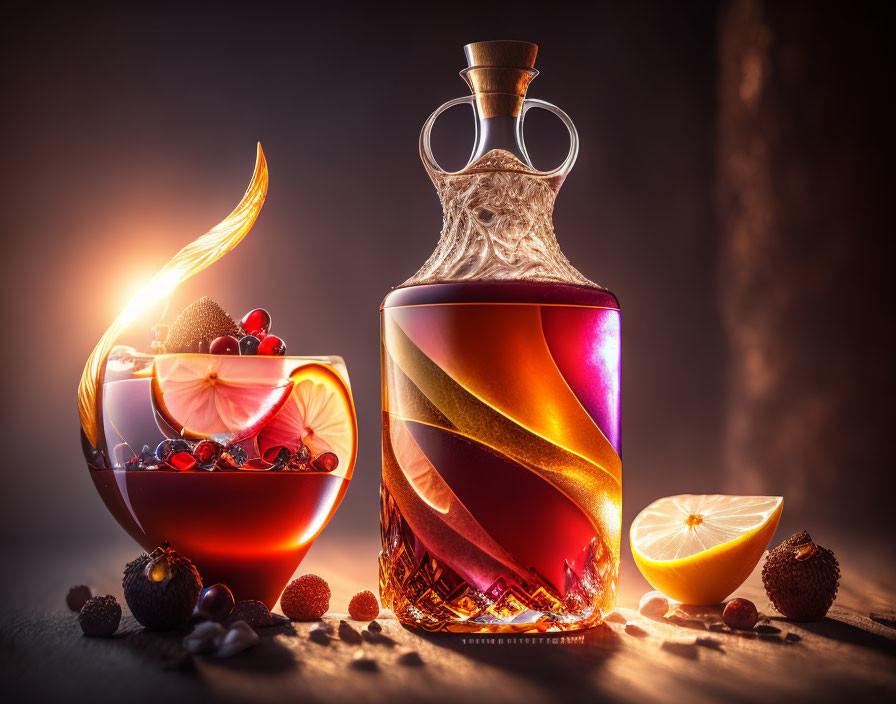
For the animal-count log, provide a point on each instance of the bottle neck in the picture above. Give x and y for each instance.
(502, 131)
(499, 95)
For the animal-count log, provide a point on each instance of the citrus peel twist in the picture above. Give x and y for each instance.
(196, 256)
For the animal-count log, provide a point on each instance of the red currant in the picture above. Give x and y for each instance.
(272, 345)
(226, 344)
(257, 322)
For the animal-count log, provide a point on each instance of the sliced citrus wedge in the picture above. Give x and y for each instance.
(202, 395)
(698, 548)
(418, 470)
(318, 413)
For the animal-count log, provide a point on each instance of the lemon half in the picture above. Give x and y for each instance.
(698, 548)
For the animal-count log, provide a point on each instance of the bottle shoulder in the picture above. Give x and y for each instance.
(500, 292)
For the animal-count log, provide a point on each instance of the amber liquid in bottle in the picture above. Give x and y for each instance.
(500, 505)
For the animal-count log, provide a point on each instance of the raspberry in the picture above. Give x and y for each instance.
(741, 614)
(363, 606)
(100, 616)
(306, 598)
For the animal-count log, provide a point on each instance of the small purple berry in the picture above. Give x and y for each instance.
(249, 344)
(215, 602)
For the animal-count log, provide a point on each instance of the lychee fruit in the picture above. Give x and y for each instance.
(801, 578)
(161, 589)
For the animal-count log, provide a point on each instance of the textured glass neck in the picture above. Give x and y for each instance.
(504, 132)
(497, 225)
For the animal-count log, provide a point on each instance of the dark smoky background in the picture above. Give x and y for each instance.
(734, 189)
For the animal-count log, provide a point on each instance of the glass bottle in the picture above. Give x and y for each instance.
(500, 503)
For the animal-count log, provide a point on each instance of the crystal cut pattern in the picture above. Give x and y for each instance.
(497, 224)
(425, 593)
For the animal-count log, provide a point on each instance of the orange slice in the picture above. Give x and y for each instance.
(203, 395)
(320, 414)
(418, 470)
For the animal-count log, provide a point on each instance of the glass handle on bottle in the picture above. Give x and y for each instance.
(429, 161)
(570, 160)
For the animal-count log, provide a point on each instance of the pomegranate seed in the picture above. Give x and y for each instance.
(226, 344)
(257, 322)
(182, 461)
(326, 462)
(272, 345)
(207, 453)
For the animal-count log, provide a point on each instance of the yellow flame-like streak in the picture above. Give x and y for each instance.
(192, 259)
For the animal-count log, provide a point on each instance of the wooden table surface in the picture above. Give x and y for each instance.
(628, 659)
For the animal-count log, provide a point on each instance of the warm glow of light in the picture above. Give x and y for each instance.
(192, 259)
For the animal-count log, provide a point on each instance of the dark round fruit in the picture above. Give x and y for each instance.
(168, 447)
(249, 344)
(257, 322)
(325, 462)
(216, 602)
(161, 589)
(740, 614)
(226, 344)
(77, 596)
(207, 453)
(100, 616)
(272, 346)
(801, 578)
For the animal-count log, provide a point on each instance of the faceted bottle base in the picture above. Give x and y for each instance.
(426, 594)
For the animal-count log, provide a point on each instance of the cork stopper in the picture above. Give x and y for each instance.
(499, 73)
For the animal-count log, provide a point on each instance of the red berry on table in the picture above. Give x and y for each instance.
(226, 344)
(306, 598)
(741, 614)
(257, 322)
(272, 345)
(363, 606)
